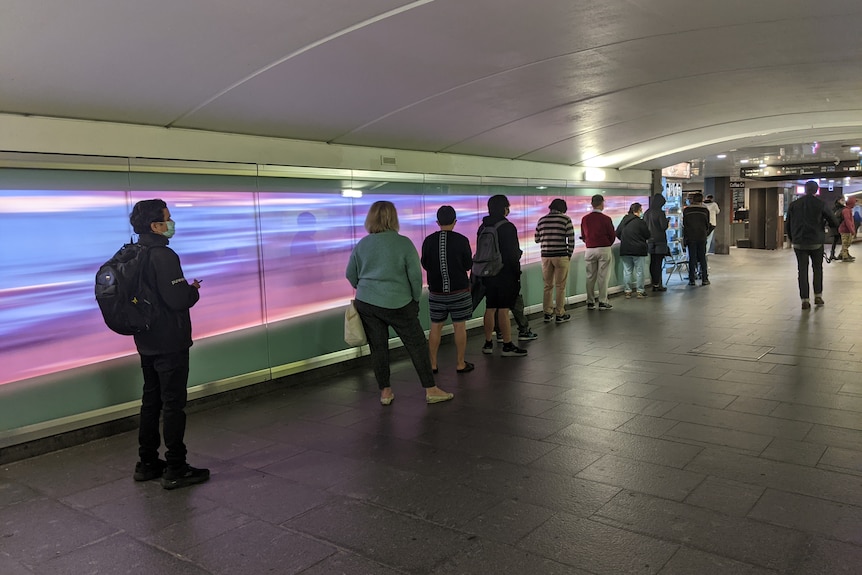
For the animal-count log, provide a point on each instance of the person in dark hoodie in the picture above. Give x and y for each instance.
(633, 233)
(657, 247)
(833, 233)
(806, 218)
(164, 351)
(502, 290)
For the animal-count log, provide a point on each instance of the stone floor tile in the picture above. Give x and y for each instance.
(646, 425)
(738, 538)
(789, 451)
(846, 458)
(810, 514)
(490, 557)
(13, 492)
(759, 424)
(198, 528)
(694, 562)
(718, 436)
(753, 405)
(589, 416)
(835, 436)
(642, 477)
(725, 496)
(825, 557)
(821, 415)
(596, 548)
(257, 547)
(508, 521)
(566, 460)
(694, 395)
(343, 563)
(9, 566)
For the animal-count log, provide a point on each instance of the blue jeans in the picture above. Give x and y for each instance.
(633, 264)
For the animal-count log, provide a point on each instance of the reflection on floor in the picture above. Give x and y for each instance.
(703, 430)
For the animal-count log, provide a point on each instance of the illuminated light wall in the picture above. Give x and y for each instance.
(271, 253)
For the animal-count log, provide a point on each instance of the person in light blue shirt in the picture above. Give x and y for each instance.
(384, 270)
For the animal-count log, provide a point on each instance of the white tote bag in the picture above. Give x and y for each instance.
(354, 333)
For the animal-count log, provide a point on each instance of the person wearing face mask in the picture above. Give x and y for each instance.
(164, 352)
(633, 233)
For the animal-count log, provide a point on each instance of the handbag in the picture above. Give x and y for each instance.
(354, 332)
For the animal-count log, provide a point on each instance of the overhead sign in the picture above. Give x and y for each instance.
(843, 169)
(736, 185)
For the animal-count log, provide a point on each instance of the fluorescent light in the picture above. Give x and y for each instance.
(594, 175)
(351, 193)
(541, 187)
(743, 161)
(855, 148)
(721, 156)
(762, 165)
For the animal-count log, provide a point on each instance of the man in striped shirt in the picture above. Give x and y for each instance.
(556, 234)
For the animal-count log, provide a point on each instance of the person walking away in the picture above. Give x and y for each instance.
(597, 232)
(695, 230)
(447, 258)
(806, 219)
(502, 289)
(833, 233)
(633, 233)
(847, 229)
(714, 210)
(556, 236)
(657, 247)
(384, 270)
(164, 352)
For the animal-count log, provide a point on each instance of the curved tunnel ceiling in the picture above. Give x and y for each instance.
(626, 84)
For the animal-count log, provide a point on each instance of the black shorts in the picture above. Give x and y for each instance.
(501, 292)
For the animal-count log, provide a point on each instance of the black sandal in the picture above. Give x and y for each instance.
(468, 367)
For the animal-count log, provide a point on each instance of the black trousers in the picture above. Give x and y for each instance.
(816, 257)
(405, 321)
(697, 257)
(165, 379)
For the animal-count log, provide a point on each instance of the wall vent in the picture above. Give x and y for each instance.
(388, 161)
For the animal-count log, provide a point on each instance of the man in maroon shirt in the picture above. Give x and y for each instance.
(597, 231)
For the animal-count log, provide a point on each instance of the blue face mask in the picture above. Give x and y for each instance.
(169, 233)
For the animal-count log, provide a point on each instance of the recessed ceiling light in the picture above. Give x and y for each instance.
(743, 161)
(541, 187)
(762, 165)
(855, 148)
(721, 156)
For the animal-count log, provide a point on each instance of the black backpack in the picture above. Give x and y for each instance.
(127, 302)
(488, 260)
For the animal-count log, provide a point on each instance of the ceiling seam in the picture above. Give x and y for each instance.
(343, 32)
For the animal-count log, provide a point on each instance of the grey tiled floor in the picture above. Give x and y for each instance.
(704, 430)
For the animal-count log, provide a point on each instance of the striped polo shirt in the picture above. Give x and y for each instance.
(556, 234)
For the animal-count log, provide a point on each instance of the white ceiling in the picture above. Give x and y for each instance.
(620, 83)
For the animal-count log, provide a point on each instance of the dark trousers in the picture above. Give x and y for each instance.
(816, 257)
(405, 321)
(656, 265)
(697, 257)
(165, 379)
(518, 313)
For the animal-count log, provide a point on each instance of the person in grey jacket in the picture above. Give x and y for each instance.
(657, 246)
(384, 270)
(807, 218)
(633, 233)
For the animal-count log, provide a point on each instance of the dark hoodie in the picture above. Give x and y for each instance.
(656, 220)
(510, 247)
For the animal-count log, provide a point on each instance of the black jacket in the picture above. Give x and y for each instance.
(695, 223)
(633, 233)
(806, 221)
(447, 258)
(656, 219)
(510, 248)
(171, 330)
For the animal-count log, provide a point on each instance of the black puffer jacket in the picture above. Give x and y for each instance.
(633, 233)
(172, 328)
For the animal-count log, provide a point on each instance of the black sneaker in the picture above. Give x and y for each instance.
(488, 347)
(591, 305)
(527, 335)
(563, 318)
(605, 306)
(549, 317)
(147, 471)
(511, 350)
(183, 477)
(499, 336)
(705, 283)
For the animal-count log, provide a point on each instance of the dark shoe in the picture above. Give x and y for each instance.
(605, 306)
(659, 288)
(806, 305)
(563, 318)
(548, 317)
(488, 347)
(499, 336)
(818, 300)
(149, 470)
(434, 370)
(183, 477)
(468, 367)
(691, 283)
(591, 305)
(511, 350)
(527, 335)
(705, 283)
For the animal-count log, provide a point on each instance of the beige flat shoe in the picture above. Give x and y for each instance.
(387, 400)
(439, 398)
